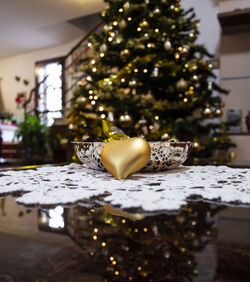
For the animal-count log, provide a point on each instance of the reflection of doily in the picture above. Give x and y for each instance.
(151, 191)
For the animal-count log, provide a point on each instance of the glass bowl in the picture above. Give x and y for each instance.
(164, 155)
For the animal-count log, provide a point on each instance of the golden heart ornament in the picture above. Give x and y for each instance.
(125, 157)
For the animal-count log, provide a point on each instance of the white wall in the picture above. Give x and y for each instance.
(206, 11)
(24, 67)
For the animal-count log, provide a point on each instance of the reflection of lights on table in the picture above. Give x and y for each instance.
(52, 219)
(56, 219)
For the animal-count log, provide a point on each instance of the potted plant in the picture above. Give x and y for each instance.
(33, 134)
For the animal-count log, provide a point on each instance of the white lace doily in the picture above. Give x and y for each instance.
(167, 190)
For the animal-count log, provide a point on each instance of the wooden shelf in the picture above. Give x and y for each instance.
(235, 21)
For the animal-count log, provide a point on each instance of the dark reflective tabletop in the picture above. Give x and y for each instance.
(200, 242)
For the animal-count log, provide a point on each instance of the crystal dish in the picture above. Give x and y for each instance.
(164, 155)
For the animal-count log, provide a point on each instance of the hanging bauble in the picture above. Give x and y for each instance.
(196, 146)
(185, 50)
(210, 85)
(144, 24)
(80, 100)
(207, 112)
(146, 1)
(103, 48)
(218, 112)
(122, 24)
(156, 11)
(168, 45)
(124, 54)
(118, 39)
(181, 84)
(150, 45)
(125, 119)
(155, 72)
(132, 82)
(106, 28)
(126, 7)
(165, 137)
(142, 121)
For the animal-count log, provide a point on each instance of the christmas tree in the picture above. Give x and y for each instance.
(148, 76)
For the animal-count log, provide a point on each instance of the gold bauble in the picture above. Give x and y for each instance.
(143, 24)
(103, 48)
(122, 24)
(123, 158)
(125, 119)
(168, 45)
(207, 112)
(218, 112)
(124, 53)
(181, 84)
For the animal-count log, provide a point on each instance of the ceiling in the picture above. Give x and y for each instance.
(27, 25)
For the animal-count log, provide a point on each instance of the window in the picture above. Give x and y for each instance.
(50, 96)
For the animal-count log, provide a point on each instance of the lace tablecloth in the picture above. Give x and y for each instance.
(167, 190)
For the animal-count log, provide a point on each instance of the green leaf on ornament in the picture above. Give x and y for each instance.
(108, 130)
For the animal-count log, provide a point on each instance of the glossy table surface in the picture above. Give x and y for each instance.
(200, 242)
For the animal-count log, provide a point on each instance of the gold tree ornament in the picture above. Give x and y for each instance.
(168, 45)
(103, 48)
(207, 112)
(181, 84)
(126, 157)
(122, 24)
(144, 24)
(218, 112)
(125, 119)
(124, 54)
